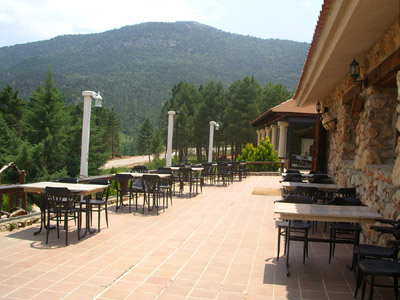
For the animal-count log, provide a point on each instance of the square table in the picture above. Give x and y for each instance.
(79, 188)
(327, 187)
(325, 213)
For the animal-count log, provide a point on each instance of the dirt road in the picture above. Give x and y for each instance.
(126, 161)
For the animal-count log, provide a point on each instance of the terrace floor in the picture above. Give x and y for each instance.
(220, 244)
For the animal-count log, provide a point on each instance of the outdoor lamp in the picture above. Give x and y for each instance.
(355, 73)
(318, 107)
(87, 105)
(98, 100)
(217, 126)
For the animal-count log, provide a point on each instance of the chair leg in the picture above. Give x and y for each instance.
(330, 244)
(279, 243)
(359, 276)
(305, 246)
(106, 212)
(66, 228)
(98, 220)
(364, 279)
(116, 204)
(48, 228)
(371, 288)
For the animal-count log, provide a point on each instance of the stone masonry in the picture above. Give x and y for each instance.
(364, 150)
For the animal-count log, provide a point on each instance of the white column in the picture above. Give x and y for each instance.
(268, 132)
(258, 136)
(262, 133)
(274, 136)
(283, 129)
(87, 106)
(169, 139)
(210, 144)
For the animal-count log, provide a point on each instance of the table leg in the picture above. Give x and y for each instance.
(43, 217)
(287, 249)
(356, 242)
(87, 229)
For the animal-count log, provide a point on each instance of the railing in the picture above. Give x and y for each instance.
(13, 191)
(261, 163)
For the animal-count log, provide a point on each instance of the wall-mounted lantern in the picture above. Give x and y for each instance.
(355, 73)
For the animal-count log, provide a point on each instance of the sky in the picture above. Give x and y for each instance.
(23, 21)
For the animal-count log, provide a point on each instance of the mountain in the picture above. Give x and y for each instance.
(135, 67)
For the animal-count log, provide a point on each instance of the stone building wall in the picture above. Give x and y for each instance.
(363, 150)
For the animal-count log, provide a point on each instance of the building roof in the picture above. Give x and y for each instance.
(345, 29)
(287, 108)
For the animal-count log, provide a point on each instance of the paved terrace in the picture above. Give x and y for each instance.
(220, 244)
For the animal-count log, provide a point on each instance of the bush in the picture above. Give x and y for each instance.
(263, 152)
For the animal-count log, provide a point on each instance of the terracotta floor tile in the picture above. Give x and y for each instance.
(115, 293)
(177, 290)
(220, 244)
(204, 293)
(142, 296)
(23, 293)
(231, 296)
(150, 288)
(49, 295)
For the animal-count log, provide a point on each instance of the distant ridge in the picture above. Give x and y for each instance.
(135, 67)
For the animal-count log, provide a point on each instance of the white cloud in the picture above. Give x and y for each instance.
(49, 18)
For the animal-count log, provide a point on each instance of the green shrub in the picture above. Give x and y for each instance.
(263, 152)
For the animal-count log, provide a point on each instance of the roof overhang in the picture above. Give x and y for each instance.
(345, 29)
(284, 111)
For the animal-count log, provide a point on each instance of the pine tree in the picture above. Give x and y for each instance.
(145, 138)
(49, 122)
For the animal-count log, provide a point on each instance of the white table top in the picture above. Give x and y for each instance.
(80, 188)
(327, 213)
(139, 175)
(192, 168)
(321, 186)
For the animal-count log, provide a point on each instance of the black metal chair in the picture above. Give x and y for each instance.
(69, 180)
(292, 177)
(307, 191)
(320, 178)
(208, 173)
(99, 201)
(124, 184)
(186, 176)
(224, 174)
(60, 205)
(382, 268)
(345, 230)
(139, 169)
(166, 183)
(152, 191)
(292, 171)
(295, 225)
(374, 251)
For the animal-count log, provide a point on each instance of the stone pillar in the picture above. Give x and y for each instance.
(283, 129)
(268, 132)
(274, 136)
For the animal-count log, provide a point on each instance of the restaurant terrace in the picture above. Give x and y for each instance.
(220, 231)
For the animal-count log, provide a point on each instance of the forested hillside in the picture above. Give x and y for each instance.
(135, 67)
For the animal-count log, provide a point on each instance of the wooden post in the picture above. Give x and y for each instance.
(24, 202)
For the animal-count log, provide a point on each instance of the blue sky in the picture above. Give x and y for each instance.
(23, 21)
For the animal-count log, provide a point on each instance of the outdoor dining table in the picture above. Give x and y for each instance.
(140, 175)
(327, 187)
(325, 213)
(196, 169)
(79, 189)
